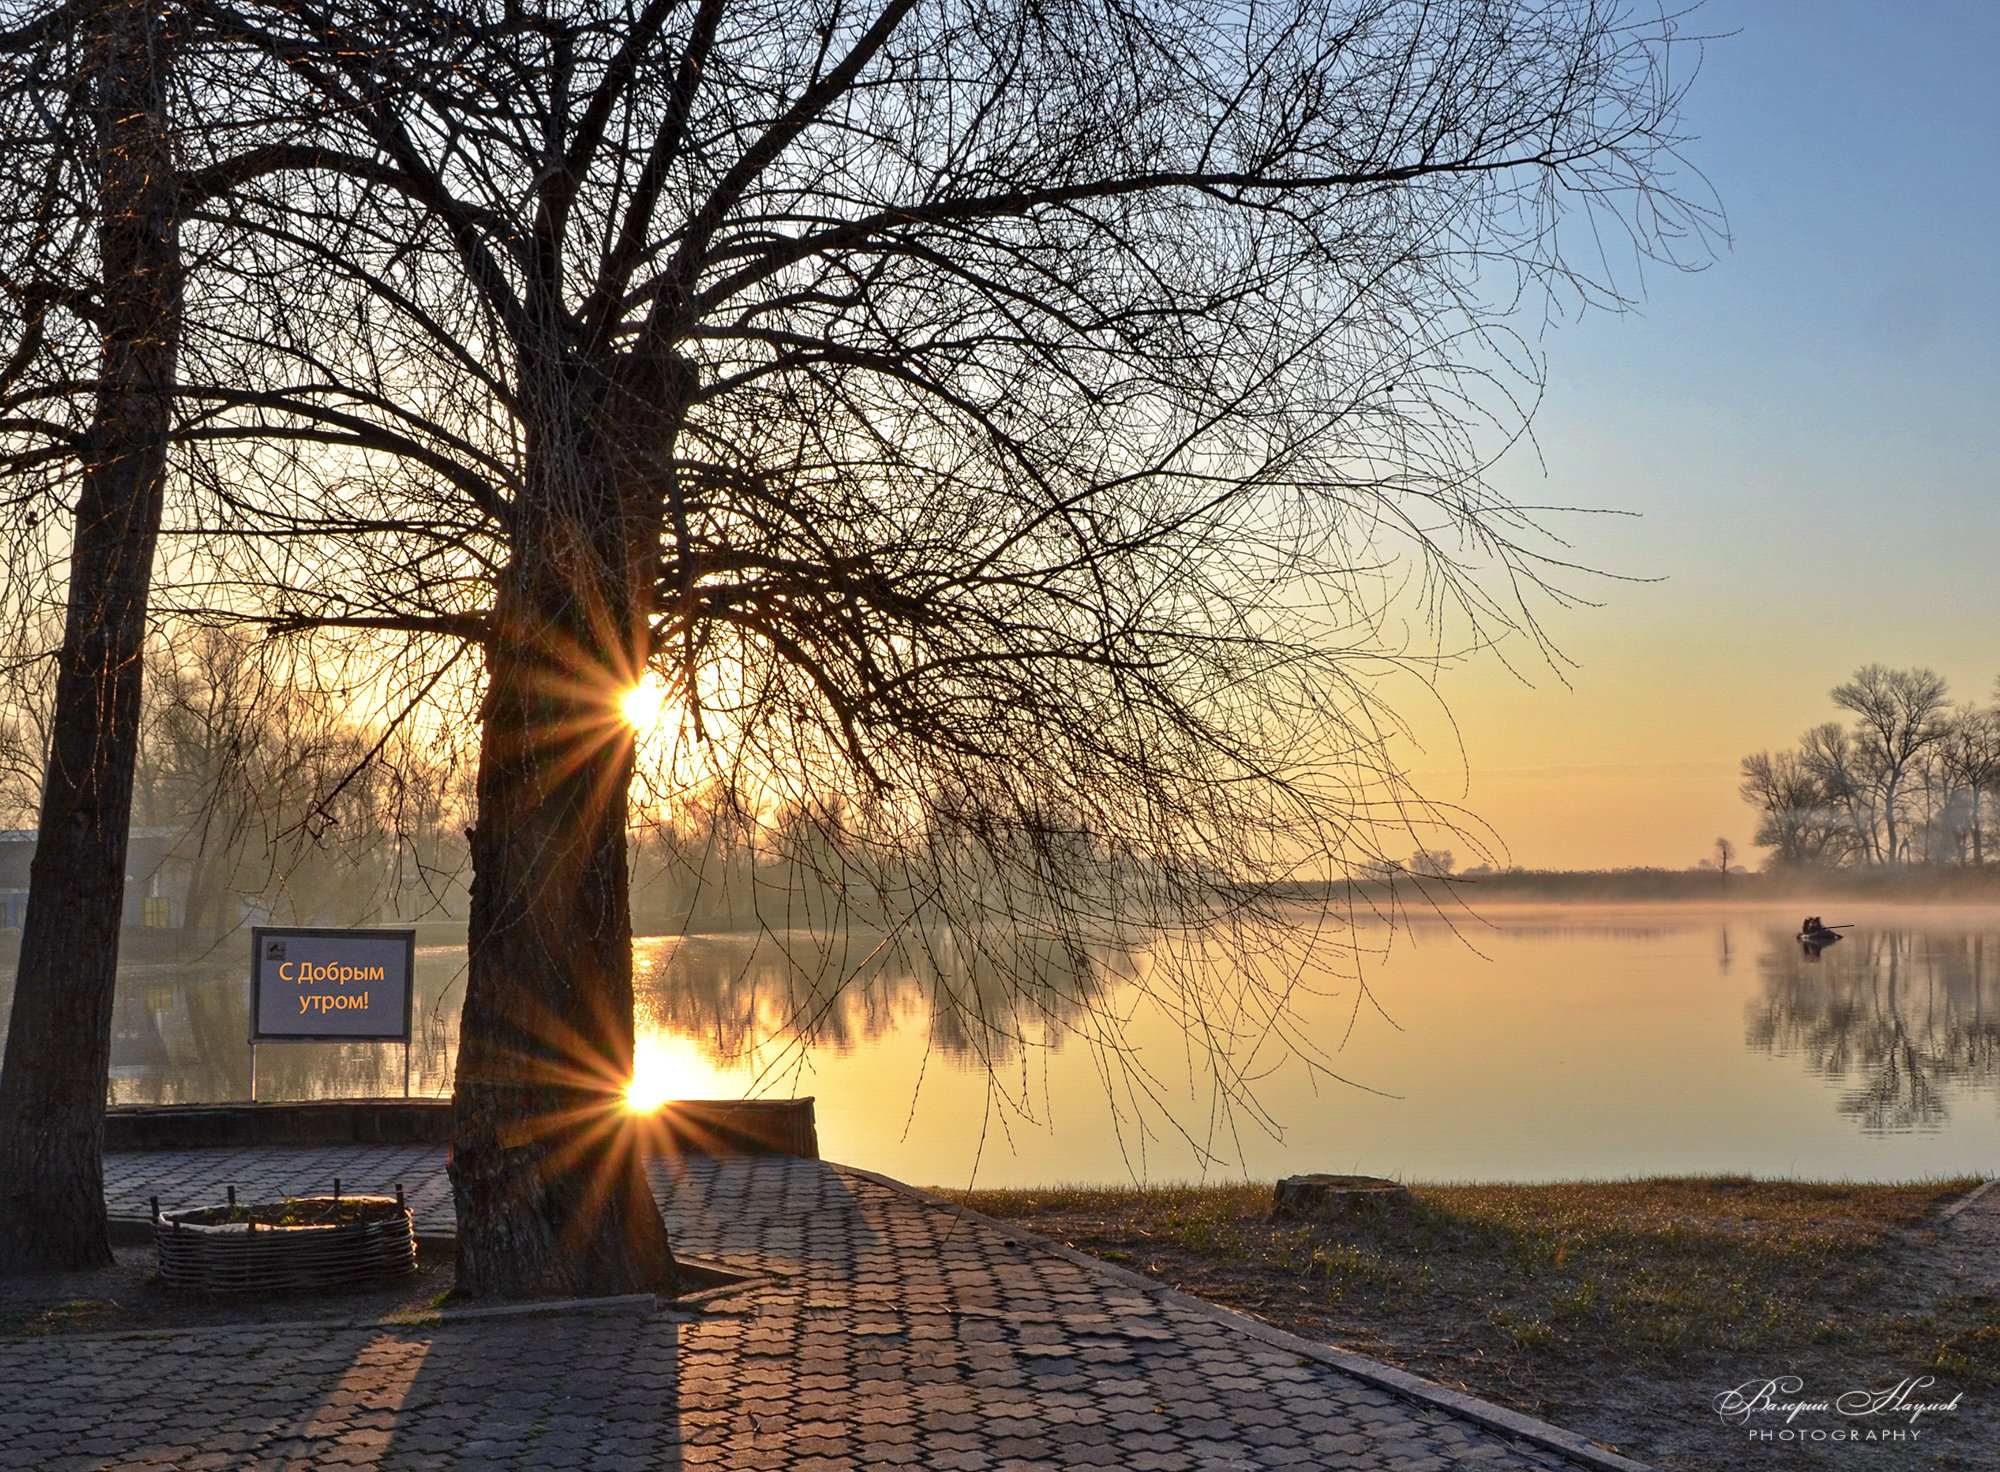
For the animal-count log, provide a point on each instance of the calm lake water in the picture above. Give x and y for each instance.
(1528, 1044)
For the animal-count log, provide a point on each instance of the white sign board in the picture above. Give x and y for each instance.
(331, 985)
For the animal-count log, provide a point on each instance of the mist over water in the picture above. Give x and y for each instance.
(1531, 1043)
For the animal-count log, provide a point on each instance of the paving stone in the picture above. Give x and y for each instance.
(903, 1335)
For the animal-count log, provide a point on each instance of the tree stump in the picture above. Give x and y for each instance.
(1305, 1198)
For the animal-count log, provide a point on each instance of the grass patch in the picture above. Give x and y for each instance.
(1648, 1271)
(1541, 1295)
(78, 1315)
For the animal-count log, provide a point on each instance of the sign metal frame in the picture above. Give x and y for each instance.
(258, 935)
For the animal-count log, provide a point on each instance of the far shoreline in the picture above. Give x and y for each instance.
(1819, 888)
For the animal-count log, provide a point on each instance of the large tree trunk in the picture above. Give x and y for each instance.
(52, 1084)
(548, 1165)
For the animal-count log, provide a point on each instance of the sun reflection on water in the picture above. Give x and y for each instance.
(667, 1067)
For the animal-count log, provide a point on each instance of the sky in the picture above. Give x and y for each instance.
(1806, 436)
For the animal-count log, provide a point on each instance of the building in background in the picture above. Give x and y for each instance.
(156, 878)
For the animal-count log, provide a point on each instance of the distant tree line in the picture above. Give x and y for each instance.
(292, 798)
(284, 794)
(1909, 779)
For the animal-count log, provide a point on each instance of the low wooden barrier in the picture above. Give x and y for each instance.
(690, 1126)
(308, 1242)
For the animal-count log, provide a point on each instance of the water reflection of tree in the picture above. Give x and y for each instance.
(995, 1003)
(1908, 1015)
(986, 999)
(179, 1037)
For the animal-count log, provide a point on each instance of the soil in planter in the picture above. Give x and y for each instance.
(297, 1211)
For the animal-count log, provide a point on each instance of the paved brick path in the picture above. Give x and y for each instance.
(183, 1178)
(898, 1334)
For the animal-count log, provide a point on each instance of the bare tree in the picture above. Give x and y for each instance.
(52, 1082)
(1800, 818)
(1907, 783)
(1969, 755)
(1725, 855)
(24, 714)
(281, 797)
(1828, 755)
(983, 417)
(100, 170)
(1899, 716)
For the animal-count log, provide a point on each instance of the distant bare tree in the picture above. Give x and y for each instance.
(1969, 758)
(1900, 715)
(1907, 783)
(1800, 819)
(1829, 755)
(1725, 855)
(282, 797)
(24, 717)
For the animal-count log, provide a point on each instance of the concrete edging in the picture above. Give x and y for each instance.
(137, 1231)
(638, 1303)
(692, 1126)
(647, 1304)
(1969, 1199)
(1372, 1372)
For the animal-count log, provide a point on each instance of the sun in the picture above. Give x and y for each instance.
(644, 704)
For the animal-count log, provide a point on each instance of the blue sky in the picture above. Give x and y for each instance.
(1809, 431)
